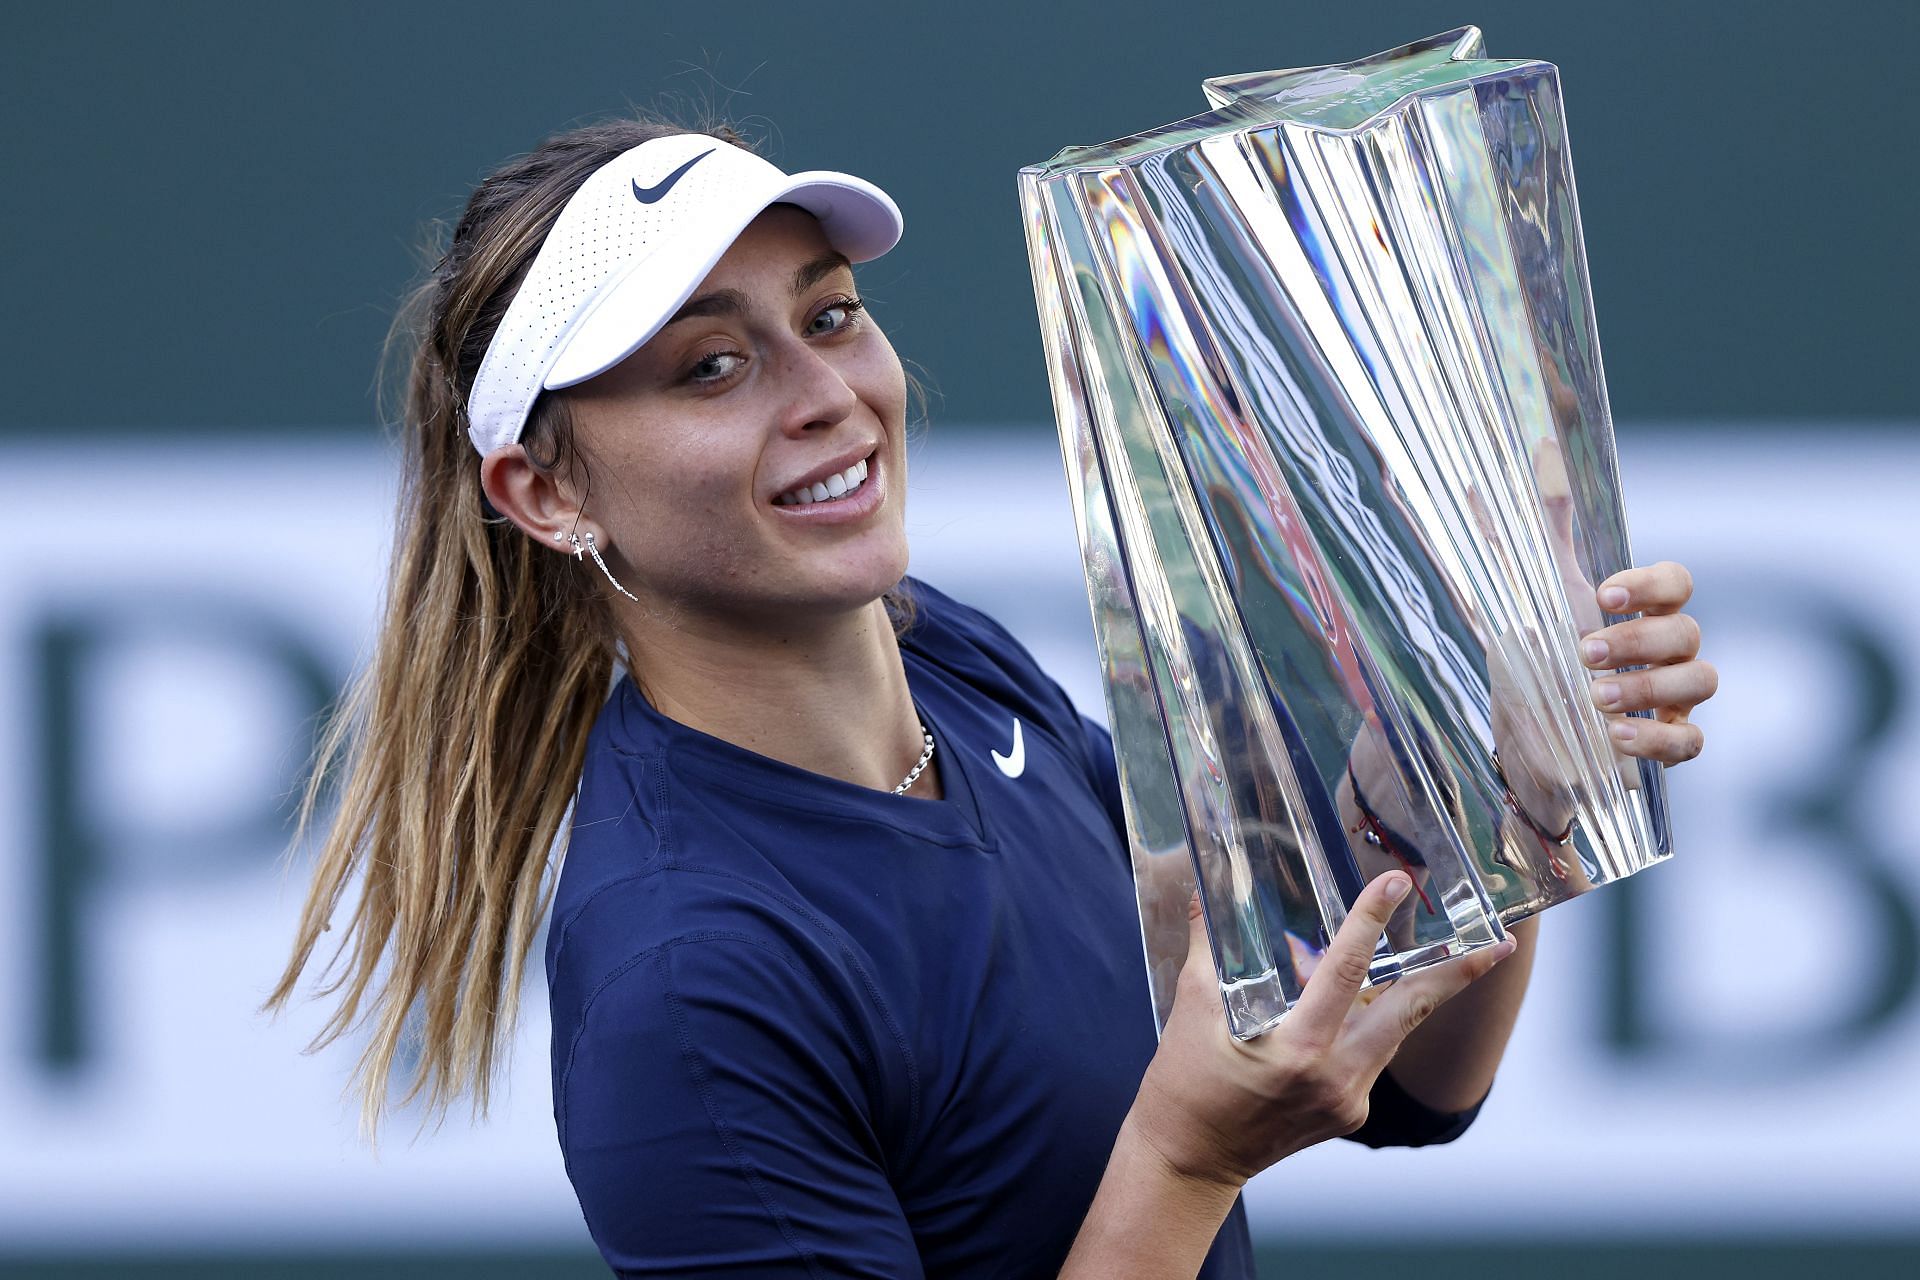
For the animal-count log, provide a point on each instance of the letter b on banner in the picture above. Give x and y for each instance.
(1785, 934)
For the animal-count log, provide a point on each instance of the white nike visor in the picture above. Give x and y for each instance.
(631, 246)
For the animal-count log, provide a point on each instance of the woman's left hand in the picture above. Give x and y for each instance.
(1666, 642)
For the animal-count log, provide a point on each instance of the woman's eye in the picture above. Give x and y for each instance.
(714, 367)
(835, 317)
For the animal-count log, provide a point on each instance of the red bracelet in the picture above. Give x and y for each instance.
(1520, 810)
(1378, 834)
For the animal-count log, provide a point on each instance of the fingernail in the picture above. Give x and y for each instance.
(1623, 731)
(1503, 950)
(1595, 651)
(1607, 693)
(1397, 888)
(1614, 598)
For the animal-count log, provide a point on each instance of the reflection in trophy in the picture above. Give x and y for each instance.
(1337, 437)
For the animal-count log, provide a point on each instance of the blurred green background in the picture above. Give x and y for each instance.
(1586, 1260)
(212, 207)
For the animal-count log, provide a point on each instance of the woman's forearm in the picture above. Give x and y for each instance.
(1148, 1220)
(1448, 1061)
(1212, 1111)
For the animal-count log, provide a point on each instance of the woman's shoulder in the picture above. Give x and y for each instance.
(702, 931)
(937, 618)
(967, 643)
(610, 916)
(630, 880)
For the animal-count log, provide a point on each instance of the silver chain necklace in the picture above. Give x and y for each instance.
(913, 774)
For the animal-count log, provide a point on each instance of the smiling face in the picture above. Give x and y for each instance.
(747, 462)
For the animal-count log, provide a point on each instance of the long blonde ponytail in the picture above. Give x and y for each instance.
(459, 745)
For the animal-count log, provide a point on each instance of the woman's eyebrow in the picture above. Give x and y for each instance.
(721, 302)
(732, 302)
(819, 269)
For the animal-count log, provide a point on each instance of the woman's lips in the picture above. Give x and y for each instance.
(854, 504)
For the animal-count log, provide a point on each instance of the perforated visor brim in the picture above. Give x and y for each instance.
(858, 219)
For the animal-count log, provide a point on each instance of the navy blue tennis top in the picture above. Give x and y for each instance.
(806, 1028)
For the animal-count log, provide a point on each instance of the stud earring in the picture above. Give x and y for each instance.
(592, 548)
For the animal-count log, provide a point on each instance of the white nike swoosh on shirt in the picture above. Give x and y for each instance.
(1016, 764)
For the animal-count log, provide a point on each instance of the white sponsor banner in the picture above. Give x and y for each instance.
(1728, 1044)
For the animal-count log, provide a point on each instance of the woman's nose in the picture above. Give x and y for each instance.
(816, 393)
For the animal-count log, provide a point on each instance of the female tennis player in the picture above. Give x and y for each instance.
(843, 956)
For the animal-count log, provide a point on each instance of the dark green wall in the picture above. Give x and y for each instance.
(1479, 1260)
(208, 207)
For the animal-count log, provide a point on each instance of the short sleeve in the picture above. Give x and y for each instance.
(1395, 1118)
(714, 1115)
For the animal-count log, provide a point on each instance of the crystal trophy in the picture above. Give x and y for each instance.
(1334, 424)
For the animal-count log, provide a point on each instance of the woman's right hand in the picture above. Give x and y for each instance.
(1220, 1110)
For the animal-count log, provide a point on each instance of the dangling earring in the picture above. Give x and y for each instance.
(593, 549)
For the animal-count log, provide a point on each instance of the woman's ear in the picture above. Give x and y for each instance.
(532, 498)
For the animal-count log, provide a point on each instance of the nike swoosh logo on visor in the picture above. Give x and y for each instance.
(1016, 764)
(649, 195)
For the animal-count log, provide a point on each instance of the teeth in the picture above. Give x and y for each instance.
(834, 486)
